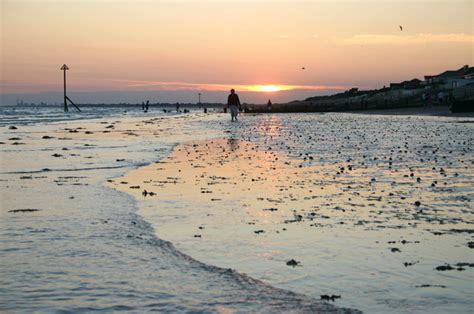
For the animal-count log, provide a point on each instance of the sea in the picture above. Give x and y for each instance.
(69, 242)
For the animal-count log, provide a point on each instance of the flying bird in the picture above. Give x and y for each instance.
(303, 68)
(401, 28)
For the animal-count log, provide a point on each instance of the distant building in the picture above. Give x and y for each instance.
(453, 78)
(405, 88)
(413, 84)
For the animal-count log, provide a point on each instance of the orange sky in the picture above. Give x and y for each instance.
(211, 45)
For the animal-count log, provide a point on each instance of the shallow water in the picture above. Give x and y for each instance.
(84, 247)
(344, 190)
(28, 114)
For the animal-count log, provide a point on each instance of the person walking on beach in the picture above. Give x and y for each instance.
(233, 103)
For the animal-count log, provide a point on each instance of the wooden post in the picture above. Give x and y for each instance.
(64, 68)
(65, 103)
(66, 109)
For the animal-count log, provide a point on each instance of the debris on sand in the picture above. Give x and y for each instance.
(464, 264)
(272, 209)
(332, 298)
(293, 263)
(444, 267)
(145, 193)
(429, 286)
(26, 210)
(468, 231)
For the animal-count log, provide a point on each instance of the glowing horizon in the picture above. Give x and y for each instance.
(265, 88)
(137, 85)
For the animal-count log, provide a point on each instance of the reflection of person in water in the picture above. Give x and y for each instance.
(233, 144)
(233, 103)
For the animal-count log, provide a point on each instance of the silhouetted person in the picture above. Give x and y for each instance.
(428, 99)
(269, 105)
(177, 107)
(233, 103)
(146, 105)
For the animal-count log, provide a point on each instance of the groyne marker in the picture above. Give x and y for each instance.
(64, 68)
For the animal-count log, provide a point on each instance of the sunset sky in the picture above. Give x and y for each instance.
(169, 51)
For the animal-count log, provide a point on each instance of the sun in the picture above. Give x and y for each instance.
(268, 88)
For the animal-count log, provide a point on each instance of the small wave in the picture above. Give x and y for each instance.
(68, 170)
(266, 295)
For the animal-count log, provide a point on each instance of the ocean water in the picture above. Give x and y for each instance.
(48, 113)
(69, 243)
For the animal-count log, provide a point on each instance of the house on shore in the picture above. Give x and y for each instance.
(406, 88)
(452, 79)
(412, 84)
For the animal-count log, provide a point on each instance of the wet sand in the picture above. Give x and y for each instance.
(70, 243)
(442, 111)
(375, 209)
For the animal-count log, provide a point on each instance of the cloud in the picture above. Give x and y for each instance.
(176, 86)
(376, 39)
(14, 86)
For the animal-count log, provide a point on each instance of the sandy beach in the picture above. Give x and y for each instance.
(439, 111)
(310, 211)
(371, 211)
(70, 243)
